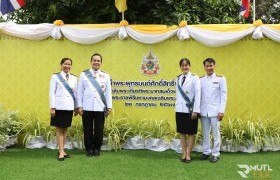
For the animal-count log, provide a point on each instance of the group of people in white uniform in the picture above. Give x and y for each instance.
(203, 97)
(91, 97)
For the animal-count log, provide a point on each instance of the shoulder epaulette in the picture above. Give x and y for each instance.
(219, 75)
(85, 70)
(104, 72)
(73, 74)
(193, 74)
(202, 76)
(179, 75)
(56, 73)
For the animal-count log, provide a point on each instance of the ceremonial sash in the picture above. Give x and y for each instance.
(189, 103)
(95, 84)
(67, 87)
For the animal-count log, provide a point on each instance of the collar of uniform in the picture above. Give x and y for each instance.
(187, 75)
(212, 75)
(95, 72)
(64, 74)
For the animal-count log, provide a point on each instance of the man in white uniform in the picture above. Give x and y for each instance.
(212, 108)
(91, 105)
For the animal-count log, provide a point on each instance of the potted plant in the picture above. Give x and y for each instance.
(253, 136)
(175, 143)
(135, 138)
(10, 126)
(34, 130)
(232, 135)
(116, 131)
(270, 133)
(158, 133)
(198, 146)
(51, 138)
(2, 142)
(51, 141)
(76, 134)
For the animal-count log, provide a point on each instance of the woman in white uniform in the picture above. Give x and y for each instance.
(187, 107)
(62, 103)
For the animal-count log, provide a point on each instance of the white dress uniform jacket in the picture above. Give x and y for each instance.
(192, 89)
(60, 98)
(213, 95)
(88, 97)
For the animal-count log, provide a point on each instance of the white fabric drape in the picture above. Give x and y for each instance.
(86, 35)
(36, 32)
(56, 34)
(258, 34)
(149, 38)
(183, 34)
(122, 33)
(271, 33)
(90, 35)
(5, 25)
(217, 38)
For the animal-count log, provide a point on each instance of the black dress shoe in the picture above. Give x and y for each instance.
(89, 153)
(214, 159)
(183, 160)
(204, 157)
(65, 156)
(60, 159)
(188, 160)
(96, 152)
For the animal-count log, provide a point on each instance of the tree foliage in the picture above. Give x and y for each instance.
(268, 11)
(143, 12)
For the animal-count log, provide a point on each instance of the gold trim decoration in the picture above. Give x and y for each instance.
(58, 23)
(183, 23)
(258, 23)
(124, 23)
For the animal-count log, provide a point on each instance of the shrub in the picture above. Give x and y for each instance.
(9, 122)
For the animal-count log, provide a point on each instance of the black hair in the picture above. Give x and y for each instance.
(209, 60)
(64, 59)
(186, 60)
(96, 54)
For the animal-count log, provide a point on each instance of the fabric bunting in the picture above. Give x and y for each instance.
(211, 35)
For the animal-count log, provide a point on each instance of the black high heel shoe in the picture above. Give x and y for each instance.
(188, 160)
(65, 156)
(59, 158)
(183, 160)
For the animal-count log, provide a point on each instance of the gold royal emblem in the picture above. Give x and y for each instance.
(150, 64)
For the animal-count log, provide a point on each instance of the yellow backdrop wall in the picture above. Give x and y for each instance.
(250, 66)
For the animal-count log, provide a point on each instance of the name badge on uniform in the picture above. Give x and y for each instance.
(215, 82)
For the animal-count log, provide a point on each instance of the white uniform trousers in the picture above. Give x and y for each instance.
(207, 124)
